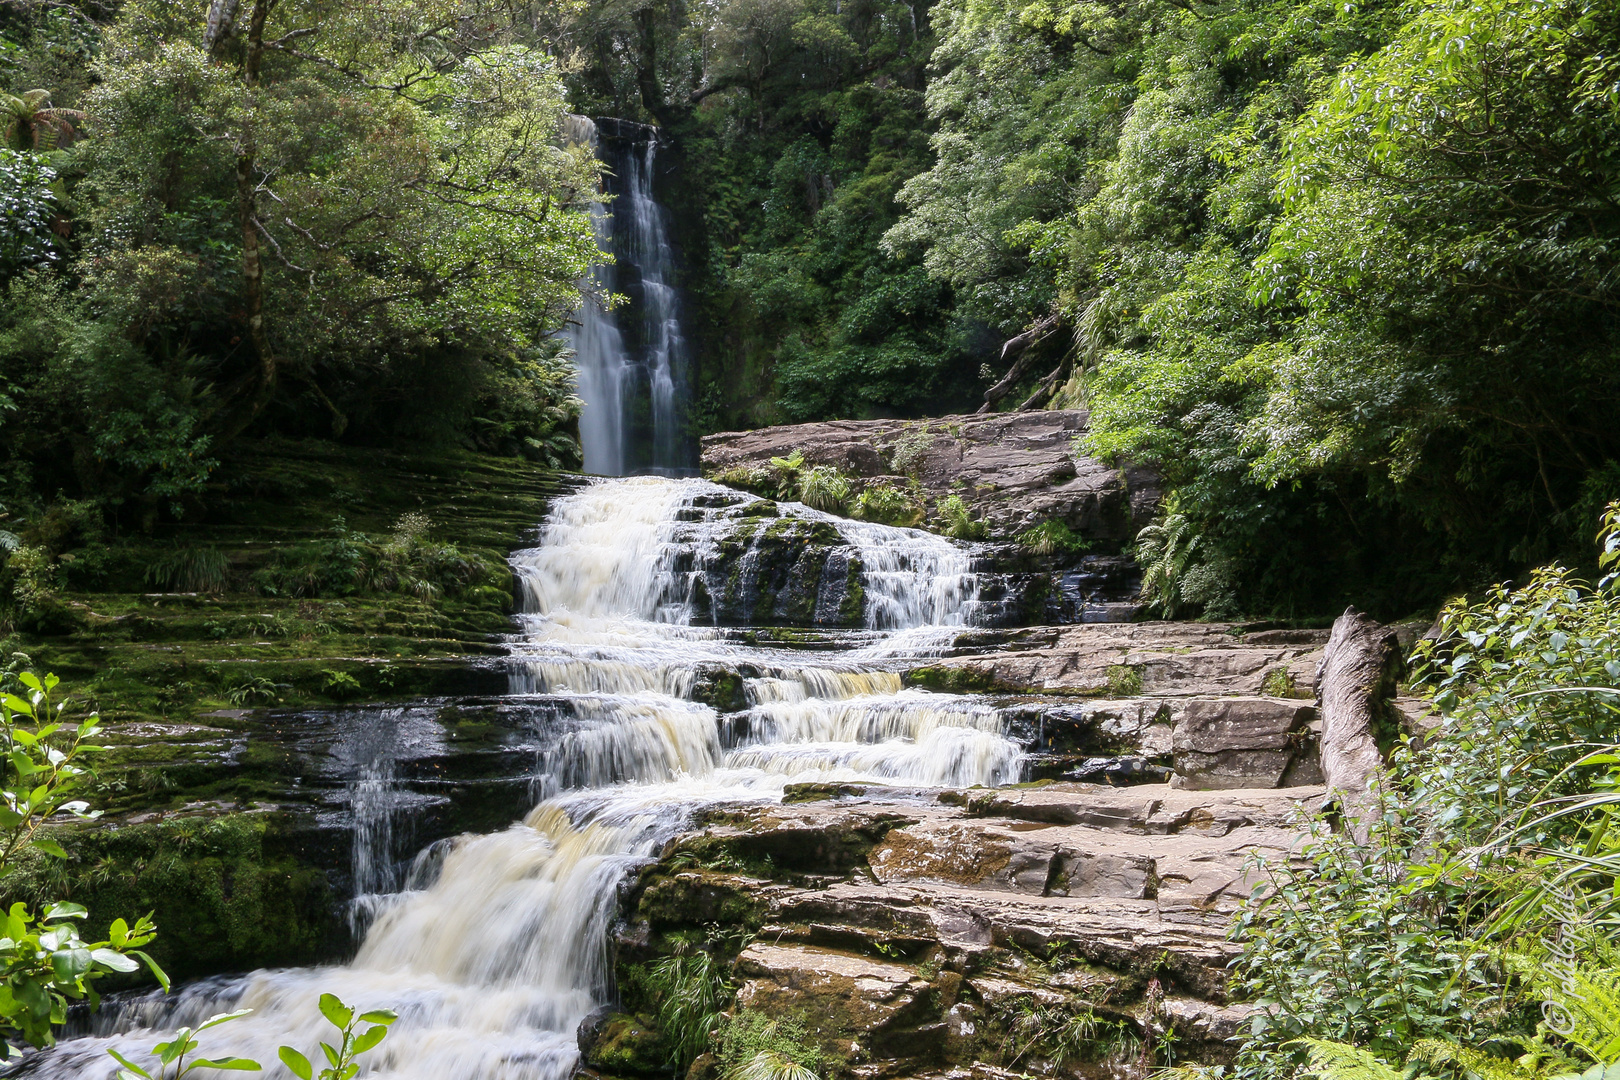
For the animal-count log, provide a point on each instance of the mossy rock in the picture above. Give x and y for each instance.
(620, 1044)
(953, 680)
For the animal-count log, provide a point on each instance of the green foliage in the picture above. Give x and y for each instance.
(46, 963)
(889, 505)
(910, 450)
(27, 206)
(190, 569)
(751, 1040)
(954, 519)
(689, 989)
(34, 581)
(173, 1052)
(1340, 1061)
(1062, 1034)
(1053, 538)
(351, 1042)
(825, 488)
(1472, 932)
(411, 255)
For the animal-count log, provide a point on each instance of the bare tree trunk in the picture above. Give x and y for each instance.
(1022, 347)
(1357, 678)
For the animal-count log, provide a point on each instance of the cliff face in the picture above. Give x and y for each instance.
(1013, 470)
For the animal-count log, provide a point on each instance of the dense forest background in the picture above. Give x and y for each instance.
(1344, 272)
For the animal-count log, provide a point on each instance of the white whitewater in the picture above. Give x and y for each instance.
(495, 947)
(630, 375)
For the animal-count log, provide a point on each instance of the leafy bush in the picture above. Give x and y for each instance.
(202, 570)
(408, 562)
(34, 580)
(331, 567)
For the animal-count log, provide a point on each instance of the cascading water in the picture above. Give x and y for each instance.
(632, 359)
(495, 947)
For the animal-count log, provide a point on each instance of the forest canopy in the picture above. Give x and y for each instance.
(1345, 273)
(301, 217)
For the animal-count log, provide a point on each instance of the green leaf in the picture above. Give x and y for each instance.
(70, 965)
(112, 958)
(222, 1018)
(50, 847)
(64, 909)
(337, 1013)
(296, 1063)
(379, 1016)
(235, 1064)
(129, 1067)
(332, 1056)
(152, 965)
(371, 1038)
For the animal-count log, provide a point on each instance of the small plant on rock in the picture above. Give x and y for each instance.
(957, 521)
(824, 488)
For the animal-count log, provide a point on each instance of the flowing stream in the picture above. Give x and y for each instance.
(493, 948)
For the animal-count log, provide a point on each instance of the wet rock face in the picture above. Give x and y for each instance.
(952, 925)
(1014, 470)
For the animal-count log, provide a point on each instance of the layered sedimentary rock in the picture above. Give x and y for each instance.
(915, 933)
(1013, 470)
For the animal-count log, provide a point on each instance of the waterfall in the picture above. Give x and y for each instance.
(632, 359)
(494, 948)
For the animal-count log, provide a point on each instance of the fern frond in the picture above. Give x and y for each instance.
(1473, 1064)
(1341, 1061)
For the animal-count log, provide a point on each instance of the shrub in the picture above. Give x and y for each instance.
(1472, 934)
(34, 581)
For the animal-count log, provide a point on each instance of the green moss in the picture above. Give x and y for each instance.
(955, 680)
(693, 898)
(627, 1045)
(227, 892)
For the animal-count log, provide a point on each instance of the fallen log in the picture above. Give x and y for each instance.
(1355, 683)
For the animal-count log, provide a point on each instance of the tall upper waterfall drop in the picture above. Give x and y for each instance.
(632, 359)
